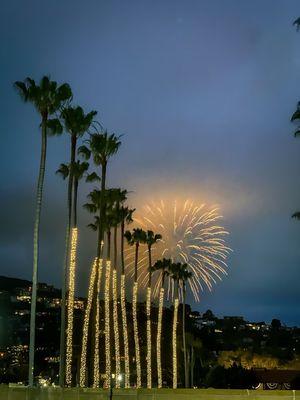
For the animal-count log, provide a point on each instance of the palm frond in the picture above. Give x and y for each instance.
(63, 170)
(84, 151)
(54, 127)
(296, 215)
(93, 177)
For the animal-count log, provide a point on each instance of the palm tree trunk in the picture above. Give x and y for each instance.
(82, 376)
(75, 198)
(38, 208)
(96, 380)
(135, 321)
(174, 338)
(158, 339)
(94, 362)
(70, 316)
(101, 210)
(186, 377)
(148, 312)
(65, 269)
(107, 316)
(115, 312)
(124, 313)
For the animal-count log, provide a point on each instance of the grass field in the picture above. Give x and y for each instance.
(23, 393)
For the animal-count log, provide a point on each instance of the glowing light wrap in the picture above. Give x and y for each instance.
(191, 234)
(107, 325)
(97, 332)
(70, 311)
(116, 327)
(125, 333)
(82, 373)
(136, 335)
(158, 339)
(148, 312)
(174, 343)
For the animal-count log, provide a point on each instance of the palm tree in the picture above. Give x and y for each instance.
(138, 236)
(119, 197)
(79, 169)
(76, 123)
(47, 98)
(183, 277)
(162, 266)
(150, 240)
(179, 274)
(126, 218)
(101, 147)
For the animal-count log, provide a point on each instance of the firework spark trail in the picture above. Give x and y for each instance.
(191, 234)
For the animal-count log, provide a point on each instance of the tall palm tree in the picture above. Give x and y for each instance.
(119, 197)
(76, 124)
(162, 266)
(180, 274)
(47, 98)
(79, 170)
(101, 147)
(134, 239)
(126, 218)
(150, 240)
(183, 277)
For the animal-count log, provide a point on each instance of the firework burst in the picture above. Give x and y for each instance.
(191, 234)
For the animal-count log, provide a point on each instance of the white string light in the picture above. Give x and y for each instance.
(116, 327)
(158, 342)
(174, 341)
(107, 325)
(125, 333)
(136, 336)
(148, 312)
(97, 332)
(70, 315)
(82, 374)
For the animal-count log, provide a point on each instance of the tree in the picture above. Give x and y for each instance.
(150, 240)
(179, 274)
(48, 99)
(101, 146)
(119, 197)
(184, 276)
(134, 239)
(79, 170)
(162, 266)
(126, 218)
(76, 124)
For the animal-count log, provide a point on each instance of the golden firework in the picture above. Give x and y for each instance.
(191, 234)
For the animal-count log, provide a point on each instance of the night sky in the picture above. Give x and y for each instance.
(202, 91)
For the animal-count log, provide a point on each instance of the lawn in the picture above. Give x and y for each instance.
(23, 393)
